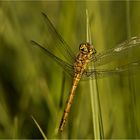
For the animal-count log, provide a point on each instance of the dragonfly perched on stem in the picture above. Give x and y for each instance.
(78, 66)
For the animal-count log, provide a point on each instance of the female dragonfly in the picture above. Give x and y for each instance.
(78, 65)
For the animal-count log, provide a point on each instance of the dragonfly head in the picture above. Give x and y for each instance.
(87, 48)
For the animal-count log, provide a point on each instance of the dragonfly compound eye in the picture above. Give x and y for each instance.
(83, 48)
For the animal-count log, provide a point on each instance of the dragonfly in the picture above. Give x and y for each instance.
(79, 66)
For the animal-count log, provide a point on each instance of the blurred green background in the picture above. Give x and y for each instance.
(31, 84)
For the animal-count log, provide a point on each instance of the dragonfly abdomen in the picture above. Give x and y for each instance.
(69, 101)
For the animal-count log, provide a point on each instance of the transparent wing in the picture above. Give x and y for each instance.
(53, 38)
(67, 67)
(120, 52)
(132, 68)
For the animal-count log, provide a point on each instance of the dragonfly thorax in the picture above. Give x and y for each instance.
(87, 48)
(83, 57)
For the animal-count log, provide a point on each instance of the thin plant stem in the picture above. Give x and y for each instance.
(131, 78)
(93, 91)
(38, 126)
(15, 129)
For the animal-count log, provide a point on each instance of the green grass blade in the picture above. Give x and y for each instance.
(93, 91)
(15, 128)
(132, 93)
(41, 131)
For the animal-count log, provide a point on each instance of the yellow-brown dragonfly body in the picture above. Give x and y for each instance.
(82, 59)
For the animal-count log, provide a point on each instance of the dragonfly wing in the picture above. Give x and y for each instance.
(119, 52)
(130, 68)
(53, 37)
(67, 67)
